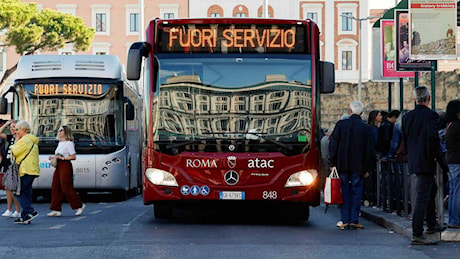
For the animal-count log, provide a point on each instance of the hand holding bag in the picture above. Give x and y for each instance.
(53, 162)
(333, 188)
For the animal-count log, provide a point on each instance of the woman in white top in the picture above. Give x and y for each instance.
(62, 185)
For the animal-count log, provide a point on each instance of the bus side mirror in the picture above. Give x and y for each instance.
(4, 101)
(3, 105)
(129, 109)
(135, 54)
(327, 77)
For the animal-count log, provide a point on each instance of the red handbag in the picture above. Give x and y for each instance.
(1, 180)
(333, 188)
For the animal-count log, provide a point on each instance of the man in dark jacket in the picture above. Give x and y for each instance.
(351, 151)
(420, 134)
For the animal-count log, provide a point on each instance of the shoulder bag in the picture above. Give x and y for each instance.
(11, 179)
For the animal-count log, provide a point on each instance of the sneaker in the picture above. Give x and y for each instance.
(16, 214)
(356, 226)
(8, 213)
(30, 217)
(344, 226)
(416, 240)
(54, 213)
(21, 221)
(436, 228)
(80, 210)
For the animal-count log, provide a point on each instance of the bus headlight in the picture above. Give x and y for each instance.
(302, 178)
(160, 177)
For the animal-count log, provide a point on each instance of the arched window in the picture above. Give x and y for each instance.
(215, 11)
(240, 11)
(260, 11)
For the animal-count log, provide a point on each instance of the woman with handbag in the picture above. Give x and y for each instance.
(62, 185)
(25, 152)
(10, 199)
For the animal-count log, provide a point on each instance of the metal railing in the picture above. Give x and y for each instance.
(393, 189)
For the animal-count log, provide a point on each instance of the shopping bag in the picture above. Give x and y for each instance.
(332, 188)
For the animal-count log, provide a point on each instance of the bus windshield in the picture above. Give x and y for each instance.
(206, 99)
(93, 111)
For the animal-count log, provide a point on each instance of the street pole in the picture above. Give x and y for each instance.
(141, 20)
(265, 14)
(359, 20)
(360, 61)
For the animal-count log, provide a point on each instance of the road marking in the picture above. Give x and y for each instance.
(135, 218)
(95, 212)
(109, 206)
(57, 226)
(78, 218)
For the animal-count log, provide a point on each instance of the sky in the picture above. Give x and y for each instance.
(382, 4)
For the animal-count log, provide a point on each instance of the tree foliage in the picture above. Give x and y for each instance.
(30, 30)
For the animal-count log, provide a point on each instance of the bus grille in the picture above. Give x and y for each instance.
(90, 65)
(46, 65)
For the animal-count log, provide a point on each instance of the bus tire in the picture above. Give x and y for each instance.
(162, 211)
(121, 195)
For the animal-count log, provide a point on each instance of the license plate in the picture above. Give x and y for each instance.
(231, 195)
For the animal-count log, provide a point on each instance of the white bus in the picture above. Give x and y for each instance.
(89, 94)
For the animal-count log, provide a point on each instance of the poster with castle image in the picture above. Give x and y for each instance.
(433, 29)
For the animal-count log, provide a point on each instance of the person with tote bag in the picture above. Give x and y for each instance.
(351, 151)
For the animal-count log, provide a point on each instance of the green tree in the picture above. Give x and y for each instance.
(30, 30)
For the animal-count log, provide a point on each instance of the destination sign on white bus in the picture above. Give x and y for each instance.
(68, 89)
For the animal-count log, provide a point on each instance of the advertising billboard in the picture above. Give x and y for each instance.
(403, 60)
(388, 51)
(433, 29)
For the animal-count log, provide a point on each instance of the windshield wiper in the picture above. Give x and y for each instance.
(175, 145)
(285, 146)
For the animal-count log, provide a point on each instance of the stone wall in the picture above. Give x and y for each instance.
(375, 95)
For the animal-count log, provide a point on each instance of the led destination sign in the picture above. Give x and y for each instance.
(85, 89)
(236, 38)
(231, 38)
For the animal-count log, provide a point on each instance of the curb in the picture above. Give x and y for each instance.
(403, 226)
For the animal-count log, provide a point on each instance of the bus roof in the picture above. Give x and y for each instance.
(78, 66)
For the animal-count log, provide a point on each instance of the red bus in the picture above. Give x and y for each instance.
(232, 109)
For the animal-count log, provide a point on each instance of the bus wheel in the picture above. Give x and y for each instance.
(120, 195)
(161, 210)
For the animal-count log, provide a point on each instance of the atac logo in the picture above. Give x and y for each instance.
(231, 161)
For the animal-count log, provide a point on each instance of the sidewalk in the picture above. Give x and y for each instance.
(403, 225)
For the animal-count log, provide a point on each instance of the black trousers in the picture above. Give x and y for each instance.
(425, 205)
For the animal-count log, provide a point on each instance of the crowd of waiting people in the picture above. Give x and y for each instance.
(420, 137)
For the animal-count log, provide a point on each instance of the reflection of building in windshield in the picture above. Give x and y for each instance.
(275, 107)
(90, 120)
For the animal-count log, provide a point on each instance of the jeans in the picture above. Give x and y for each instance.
(352, 190)
(25, 198)
(454, 194)
(424, 204)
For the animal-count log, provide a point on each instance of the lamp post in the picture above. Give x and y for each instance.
(359, 48)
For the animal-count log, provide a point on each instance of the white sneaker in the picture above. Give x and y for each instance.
(7, 213)
(80, 210)
(54, 213)
(16, 214)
